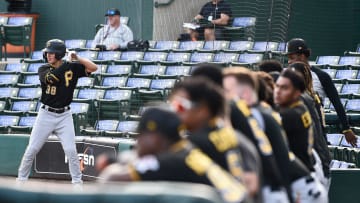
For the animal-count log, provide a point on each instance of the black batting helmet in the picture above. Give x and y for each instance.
(55, 46)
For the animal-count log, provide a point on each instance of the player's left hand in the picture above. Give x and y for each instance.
(351, 137)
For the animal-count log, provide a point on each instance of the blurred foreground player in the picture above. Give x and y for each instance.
(58, 80)
(297, 123)
(165, 155)
(201, 107)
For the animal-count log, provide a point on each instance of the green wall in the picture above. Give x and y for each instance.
(71, 19)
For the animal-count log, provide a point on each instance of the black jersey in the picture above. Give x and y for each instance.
(289, 165)
(215, 10)
(58, 84)
(297, 124)
(186, 163)
(320, 143)
(242, 120)
(227, 147)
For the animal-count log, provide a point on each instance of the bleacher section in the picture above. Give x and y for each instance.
(111, 98)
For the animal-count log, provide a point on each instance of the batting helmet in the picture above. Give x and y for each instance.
(55, 46)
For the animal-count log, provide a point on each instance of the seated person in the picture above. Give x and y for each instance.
(218, 12)
(114, 36)
(163, 155)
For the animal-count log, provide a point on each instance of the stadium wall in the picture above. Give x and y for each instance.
(76, 19)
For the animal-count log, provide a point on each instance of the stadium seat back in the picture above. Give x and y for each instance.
(78, 107)
(85, 82)
(119, 69)
(16, 67)
(6, 120)
(201, 57)
(7, 92)
(34, 67)
(327, 60)
(108, 125)
(27, 121)
(127, 126)
(349, 60)
(114, 81)
(132, 55)
(265, 46)
(91, 55)
(353, 105)
(241, 45)
(73, 44)
(346, 74)
(178, 57)
(23, 106)
(334, 139)
(19, 20)
(138, 82)
(109, 55)
(178, 70)
(226, 57)
(166, 45)
(250, 58)
(29, 92)
(152, 69)
(216, 45)
(155, 56)
(244, 21)
(191, 45)
(90, 94)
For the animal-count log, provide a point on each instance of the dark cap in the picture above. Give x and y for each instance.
(297, 45)
(161, 120)
(112, 12)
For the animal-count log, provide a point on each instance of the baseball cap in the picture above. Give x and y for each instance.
(161, 120)
(112, 12)
(296, 45)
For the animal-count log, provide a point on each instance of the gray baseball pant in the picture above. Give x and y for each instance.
(47, 123)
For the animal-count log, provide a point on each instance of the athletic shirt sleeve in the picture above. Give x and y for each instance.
(79, 70)
(332, 94)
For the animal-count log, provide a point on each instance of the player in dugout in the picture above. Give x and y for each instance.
(163, 154)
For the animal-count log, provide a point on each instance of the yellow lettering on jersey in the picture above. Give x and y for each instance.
(68, 76)
(277, 117)
(234, 163)
(306, 119)
(223, 139)
(50, 90)
(198, 161)
(263, 141)
(291, 156)
(231, 189)
(242, 106)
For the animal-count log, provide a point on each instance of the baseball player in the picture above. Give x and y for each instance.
(240, 87)
(297, 124)
(58, 80)
(165, 155)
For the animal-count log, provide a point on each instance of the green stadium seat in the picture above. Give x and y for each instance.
(75, 44)
(100, 127)
(25, 125)
(239, 46)
(214, 46)
(116, 103)
(164, 46)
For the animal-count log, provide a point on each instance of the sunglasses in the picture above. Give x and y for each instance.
(181, 104)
